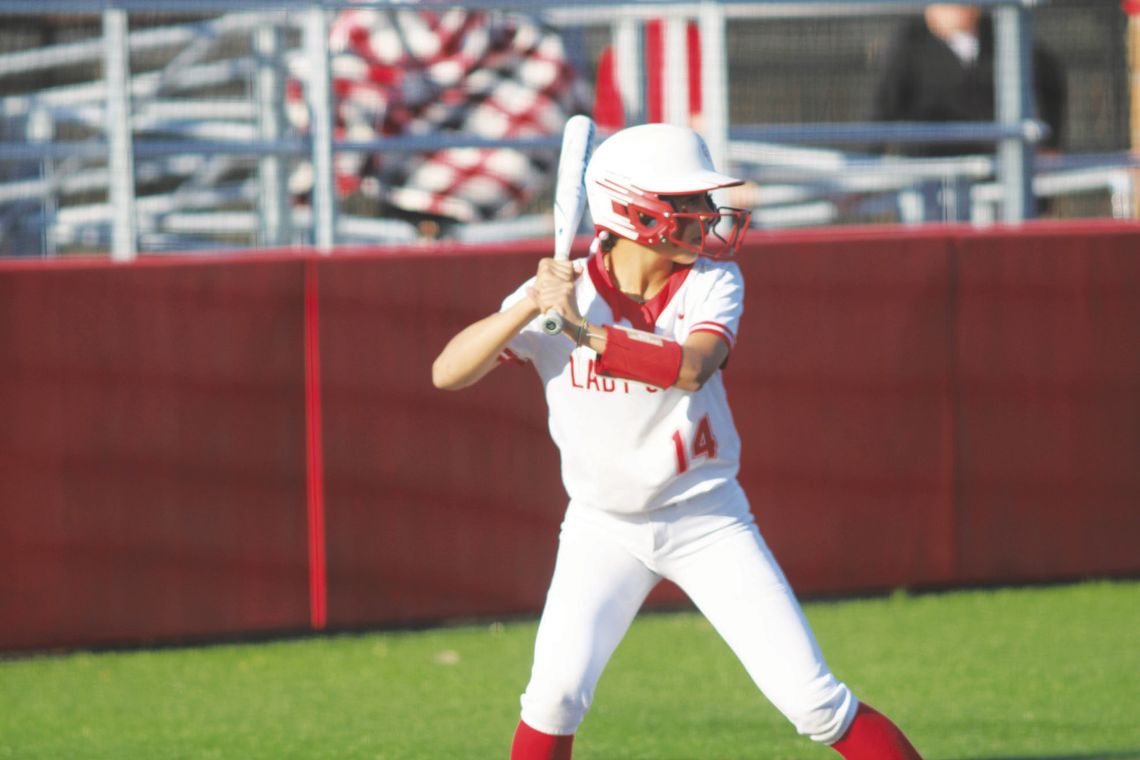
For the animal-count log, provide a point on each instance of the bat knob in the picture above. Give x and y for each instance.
(552, 323)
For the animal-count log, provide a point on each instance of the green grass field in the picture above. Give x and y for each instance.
(1042, 673)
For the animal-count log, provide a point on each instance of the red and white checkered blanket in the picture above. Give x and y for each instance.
(423, 72)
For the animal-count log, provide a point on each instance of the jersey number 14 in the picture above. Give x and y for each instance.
(704, 445)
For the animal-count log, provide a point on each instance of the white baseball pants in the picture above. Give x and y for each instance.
(710, 547)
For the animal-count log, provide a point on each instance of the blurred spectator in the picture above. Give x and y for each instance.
(609, 107)
(444, 71)
(940, 67)
(610, 111)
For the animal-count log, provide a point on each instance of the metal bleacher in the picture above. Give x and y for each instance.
(161, 126)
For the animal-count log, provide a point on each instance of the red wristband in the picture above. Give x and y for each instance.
(1131, 7)
(640, 356)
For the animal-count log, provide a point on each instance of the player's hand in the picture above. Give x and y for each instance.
(554, 289)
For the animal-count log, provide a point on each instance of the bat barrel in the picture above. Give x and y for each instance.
(569, 197)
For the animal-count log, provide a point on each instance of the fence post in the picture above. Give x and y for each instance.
(40, 130)
(120, 161)
(675, 65)
(1013, 93)
(1132, 8)
(273, 203)
(629, 56)
(714, 82)
(319, 95)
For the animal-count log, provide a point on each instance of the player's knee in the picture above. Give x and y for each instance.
(557, 712)
(825, 717)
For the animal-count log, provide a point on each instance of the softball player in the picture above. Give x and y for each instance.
(649, 449)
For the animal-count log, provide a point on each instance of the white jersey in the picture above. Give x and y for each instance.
(628, 447)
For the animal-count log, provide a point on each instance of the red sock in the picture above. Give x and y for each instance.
(872, 736)
(535, 745)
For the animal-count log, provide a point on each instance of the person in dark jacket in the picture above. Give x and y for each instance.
(940, 67)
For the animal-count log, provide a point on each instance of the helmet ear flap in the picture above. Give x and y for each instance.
(650, 219)
(647, 220)
(638, 217)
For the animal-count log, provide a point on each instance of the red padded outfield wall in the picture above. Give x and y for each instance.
(438, 504)
(152, 470)
(1047, 352)
(215, 447)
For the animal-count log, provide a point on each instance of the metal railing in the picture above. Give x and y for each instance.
(132, 122)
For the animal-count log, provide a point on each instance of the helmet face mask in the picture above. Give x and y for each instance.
(713, 242)
(652, 184)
